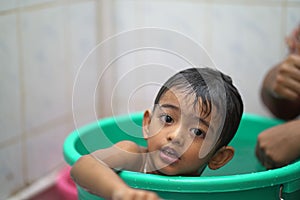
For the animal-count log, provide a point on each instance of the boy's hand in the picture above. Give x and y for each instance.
(130, 194)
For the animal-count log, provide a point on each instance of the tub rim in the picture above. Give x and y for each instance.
(286, 176)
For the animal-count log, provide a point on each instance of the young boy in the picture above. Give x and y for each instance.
(196, 114)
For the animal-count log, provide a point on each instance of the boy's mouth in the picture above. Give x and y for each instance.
(169, 155)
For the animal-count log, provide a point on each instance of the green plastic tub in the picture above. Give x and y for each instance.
(242, 178)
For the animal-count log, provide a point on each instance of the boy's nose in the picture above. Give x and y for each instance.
(176, 137)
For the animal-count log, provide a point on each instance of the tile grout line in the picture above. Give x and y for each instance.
(101, 35)
(22, 98)
(47, 5)
(39, 6)
(283, 26)
(38, 130)
(68, 56)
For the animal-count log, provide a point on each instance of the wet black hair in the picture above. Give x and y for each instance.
(214, 88)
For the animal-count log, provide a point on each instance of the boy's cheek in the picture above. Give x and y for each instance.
(154, 130)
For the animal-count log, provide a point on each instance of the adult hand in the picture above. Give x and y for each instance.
(293, 41)
(280, 91)
(284, 80)
(279, 145)
(130, 194)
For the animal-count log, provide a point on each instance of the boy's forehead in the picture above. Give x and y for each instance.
(168, 96)
(184, 101)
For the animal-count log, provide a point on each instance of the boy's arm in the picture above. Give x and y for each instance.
(95, 177)
(93, 172)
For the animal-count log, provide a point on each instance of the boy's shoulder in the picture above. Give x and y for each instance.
(130, 146)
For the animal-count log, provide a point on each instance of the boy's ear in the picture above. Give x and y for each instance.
(146, 123)
(221, 157)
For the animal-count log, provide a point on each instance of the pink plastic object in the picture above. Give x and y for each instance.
(65, 185)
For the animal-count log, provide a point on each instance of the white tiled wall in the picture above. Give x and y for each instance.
(11, 176)
(44, 64)
(243, 42)
(10, 100)
(244, 38)
(41, 46)
(7, 5)
(44, 42)
(44, 150)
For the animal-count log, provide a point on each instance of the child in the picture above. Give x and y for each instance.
(196, 114)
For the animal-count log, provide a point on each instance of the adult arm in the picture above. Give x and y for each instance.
(280, 92)
(279, 145)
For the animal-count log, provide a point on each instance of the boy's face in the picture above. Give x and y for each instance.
(175, 133)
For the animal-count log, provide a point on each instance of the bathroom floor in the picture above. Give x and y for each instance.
(49, 194)
(55, 186)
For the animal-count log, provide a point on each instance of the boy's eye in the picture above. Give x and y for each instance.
(198, 132)
(167, 119)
